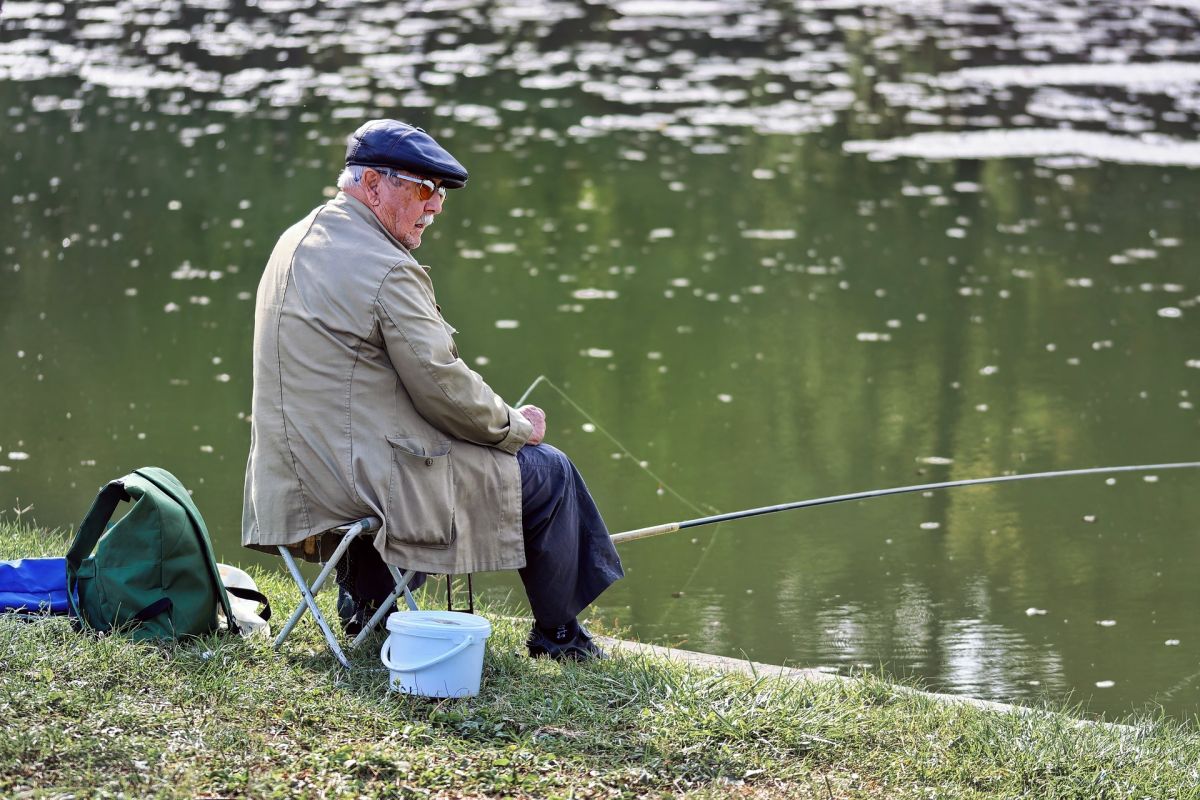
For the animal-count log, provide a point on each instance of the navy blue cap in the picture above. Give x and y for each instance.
(398, 145)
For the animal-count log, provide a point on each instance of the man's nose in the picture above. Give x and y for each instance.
(434, 204)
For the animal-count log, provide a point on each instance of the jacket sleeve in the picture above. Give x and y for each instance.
(445, 391)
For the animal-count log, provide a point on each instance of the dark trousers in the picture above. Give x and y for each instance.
(569, 558)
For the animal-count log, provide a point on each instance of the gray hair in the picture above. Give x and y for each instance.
(351, 174)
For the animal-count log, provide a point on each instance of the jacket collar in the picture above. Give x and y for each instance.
(361, 210)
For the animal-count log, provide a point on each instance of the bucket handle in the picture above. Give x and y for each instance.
(386, 654)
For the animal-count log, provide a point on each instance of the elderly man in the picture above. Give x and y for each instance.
(362, 407)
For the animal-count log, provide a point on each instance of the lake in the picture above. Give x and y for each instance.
(764, 251)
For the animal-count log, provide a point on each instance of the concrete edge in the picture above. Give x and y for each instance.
(757, 669)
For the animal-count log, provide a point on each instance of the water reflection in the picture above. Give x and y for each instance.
(779, 251)
(693, 72)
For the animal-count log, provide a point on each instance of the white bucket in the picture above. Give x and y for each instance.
(435, 653)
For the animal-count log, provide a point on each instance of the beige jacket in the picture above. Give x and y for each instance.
(362, 407)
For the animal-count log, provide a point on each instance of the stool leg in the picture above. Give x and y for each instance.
(402, 582)
(304, 588)
(308, 601)
(450, 594)
(383, 610)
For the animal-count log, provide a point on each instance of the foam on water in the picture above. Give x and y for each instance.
(1033, 143)
(674, 8)
(1160, 76)
(774, 235)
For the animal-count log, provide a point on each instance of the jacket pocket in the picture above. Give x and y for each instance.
(421, 493)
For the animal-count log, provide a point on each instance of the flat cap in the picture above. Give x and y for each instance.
(398, 145)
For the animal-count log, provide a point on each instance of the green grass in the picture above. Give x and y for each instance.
(224, 717)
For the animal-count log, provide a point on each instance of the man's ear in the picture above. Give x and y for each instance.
(370, 180)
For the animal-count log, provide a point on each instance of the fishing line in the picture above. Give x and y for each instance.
(718, 518)
(1169, 694)
(641, 464)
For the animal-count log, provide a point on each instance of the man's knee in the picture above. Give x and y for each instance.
(544, 457)
(546, 479)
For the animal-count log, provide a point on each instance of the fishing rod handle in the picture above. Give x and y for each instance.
(642, 533)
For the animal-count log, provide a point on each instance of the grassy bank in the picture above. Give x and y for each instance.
(223, 717)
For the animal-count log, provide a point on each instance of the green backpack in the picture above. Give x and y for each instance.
(153, 574)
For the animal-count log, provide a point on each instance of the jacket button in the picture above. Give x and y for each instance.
(429, 462)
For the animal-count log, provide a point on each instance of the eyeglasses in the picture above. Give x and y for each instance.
(427, 187)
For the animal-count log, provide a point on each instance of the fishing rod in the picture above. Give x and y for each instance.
(671, 527)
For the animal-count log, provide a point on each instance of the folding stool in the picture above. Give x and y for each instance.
(308, 602)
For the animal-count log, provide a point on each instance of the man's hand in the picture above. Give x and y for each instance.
(538, 418)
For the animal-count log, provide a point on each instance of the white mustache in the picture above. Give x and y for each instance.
(426, 220)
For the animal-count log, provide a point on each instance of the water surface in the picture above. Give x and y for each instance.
(777, 250)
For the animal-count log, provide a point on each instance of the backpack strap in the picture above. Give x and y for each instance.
(153, 610)
(90, 531)
(174, 489)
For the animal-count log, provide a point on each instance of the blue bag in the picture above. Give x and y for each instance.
(33, 585)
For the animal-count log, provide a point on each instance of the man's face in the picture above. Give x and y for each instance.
(401, 209)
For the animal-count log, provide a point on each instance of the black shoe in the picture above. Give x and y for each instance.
(579, 648)
(354, 616)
